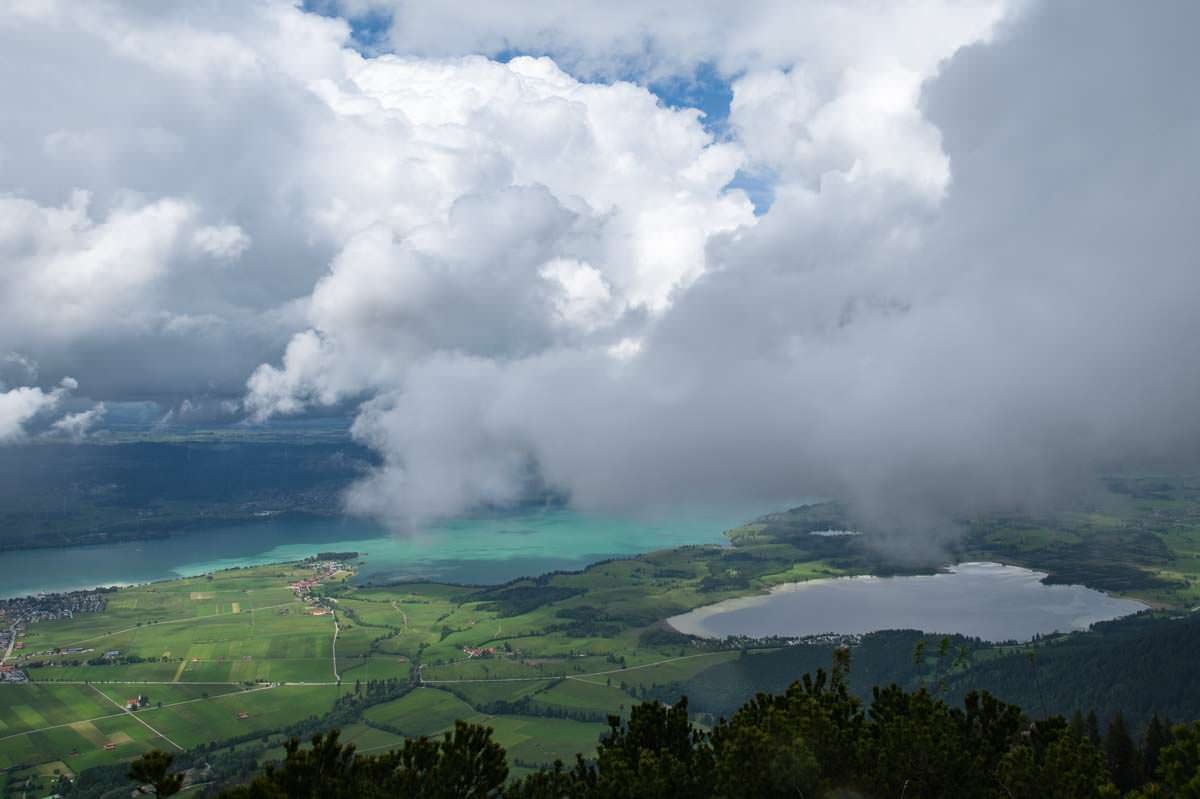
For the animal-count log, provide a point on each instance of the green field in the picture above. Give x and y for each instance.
(220, 717)
(582, 694)
(216, 658)
(425, 711)
(30, 707)
(529, 739)
(235, 656)
(81, 744)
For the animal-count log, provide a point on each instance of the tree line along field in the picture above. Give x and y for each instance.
(233, 663)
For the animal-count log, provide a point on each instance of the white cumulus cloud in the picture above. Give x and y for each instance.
(20, 405)
(76, 427)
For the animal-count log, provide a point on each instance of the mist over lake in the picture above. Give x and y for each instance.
(985, 600)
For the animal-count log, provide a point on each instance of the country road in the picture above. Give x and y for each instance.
(333, 647)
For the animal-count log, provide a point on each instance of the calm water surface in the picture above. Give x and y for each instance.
(476, 550)
(986, 600)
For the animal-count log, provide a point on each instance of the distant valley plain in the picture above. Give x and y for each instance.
(498, 618)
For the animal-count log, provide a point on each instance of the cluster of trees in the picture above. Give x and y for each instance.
(522, 596)
(528, 706)
(116, 660)
(587, 621)
(372, 692)
(815, 739)
(348, 555)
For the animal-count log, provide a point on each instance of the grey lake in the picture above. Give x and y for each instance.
(984, 600)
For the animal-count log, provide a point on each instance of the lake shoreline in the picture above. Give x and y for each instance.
(698, 622)
(481, 550)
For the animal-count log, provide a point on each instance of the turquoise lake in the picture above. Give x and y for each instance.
(473, 550)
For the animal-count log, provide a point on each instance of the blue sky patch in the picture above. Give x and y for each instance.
(759, 187)
(706, 89)
(368, 31)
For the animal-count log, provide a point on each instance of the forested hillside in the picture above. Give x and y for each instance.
(59, 495)
(1141, 667)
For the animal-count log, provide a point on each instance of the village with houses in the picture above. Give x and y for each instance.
(479, 652)
(324, 570)
(18, 613)
(23, 611)
(11, 674)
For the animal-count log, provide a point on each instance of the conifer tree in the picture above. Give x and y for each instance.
(1157, 738)
(1093, 728)
(1078, 726)
(1121, 754)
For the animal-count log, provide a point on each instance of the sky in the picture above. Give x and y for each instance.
(930, 256)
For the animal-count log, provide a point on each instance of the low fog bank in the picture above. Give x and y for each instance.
(1035, 330)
